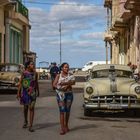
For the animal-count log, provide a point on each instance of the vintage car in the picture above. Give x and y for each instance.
(111, 87)
(9, 76)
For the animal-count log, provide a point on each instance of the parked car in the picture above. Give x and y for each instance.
(9, 76)
(111, 87)
(88, 66)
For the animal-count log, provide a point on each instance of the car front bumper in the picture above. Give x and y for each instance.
(111, 106)
(112, 102)
(8, 88)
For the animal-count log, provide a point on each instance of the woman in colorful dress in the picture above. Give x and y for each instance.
(27, 92)
(63, 84)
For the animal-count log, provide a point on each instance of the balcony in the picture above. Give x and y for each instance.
(108, 36)
(124, 13)
(118, 24)
(108, 3)
(3, 2)
(21, 8)
(120, 17)
(134, 6)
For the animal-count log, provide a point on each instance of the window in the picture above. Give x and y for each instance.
(9, 68)
(15, 46)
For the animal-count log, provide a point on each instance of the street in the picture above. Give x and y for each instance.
(106, 126)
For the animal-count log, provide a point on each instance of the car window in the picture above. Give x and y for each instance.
(2, 68)
(123, 73)
(90, 63)
(9, 68)
(100, 74)
(107, 73)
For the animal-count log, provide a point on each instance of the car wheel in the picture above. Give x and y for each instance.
(136, 112)
(87, 112)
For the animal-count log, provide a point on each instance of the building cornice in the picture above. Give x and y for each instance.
(133, 6)
(108, 3)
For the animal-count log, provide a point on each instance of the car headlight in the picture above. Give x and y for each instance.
(16, 80)
(89, 90)
(137, 89)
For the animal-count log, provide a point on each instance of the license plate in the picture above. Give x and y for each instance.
(114, 106)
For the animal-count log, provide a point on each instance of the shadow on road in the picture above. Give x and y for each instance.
(128, 116)
(88, 126)
(45, 125)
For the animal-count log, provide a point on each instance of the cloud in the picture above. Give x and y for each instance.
(94, 35)
(78, 32)
(73, 12)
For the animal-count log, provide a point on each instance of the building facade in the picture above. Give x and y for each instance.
(122, 33)
(14, 32)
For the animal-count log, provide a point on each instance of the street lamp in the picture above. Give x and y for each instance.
(60, 43)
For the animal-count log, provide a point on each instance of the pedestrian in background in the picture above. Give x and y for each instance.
(53, 72)
(63, 84)
(27, 92)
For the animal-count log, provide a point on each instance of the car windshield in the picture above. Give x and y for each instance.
(107, 73)
(88, 64)
(9, 68)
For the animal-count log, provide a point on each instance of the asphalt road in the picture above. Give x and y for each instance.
(100, 126)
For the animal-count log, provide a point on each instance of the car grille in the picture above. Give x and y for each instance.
(122, 99)
(6, 84)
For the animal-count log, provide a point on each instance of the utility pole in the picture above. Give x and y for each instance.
(60, 43)
(60, 40)
(106, 42)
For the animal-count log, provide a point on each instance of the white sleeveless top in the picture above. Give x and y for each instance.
(64, 79)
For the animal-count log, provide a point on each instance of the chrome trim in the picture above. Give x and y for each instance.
(106, 106)
(120, 101)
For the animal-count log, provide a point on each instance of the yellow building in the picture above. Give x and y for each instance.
(123, 31)
(14, 32)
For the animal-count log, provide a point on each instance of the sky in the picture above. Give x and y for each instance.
(83, 23)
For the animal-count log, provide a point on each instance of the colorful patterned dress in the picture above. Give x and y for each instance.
(28, 89)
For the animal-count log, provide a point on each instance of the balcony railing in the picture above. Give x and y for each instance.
(22, 9)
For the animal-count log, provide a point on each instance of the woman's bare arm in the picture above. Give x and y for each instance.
(37, 85)
(19, 88)
(56, 81)
(69, 83)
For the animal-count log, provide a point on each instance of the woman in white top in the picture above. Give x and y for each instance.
(63, 84)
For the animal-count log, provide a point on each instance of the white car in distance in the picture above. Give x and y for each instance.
(88, 66)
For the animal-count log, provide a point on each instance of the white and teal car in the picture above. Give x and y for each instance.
(111, 87)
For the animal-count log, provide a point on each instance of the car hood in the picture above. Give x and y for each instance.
(8, 76)
(105, 86)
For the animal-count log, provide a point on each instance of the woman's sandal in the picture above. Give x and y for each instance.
(25, 125)
(62, 132)
(67, 130)
(31, 129)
